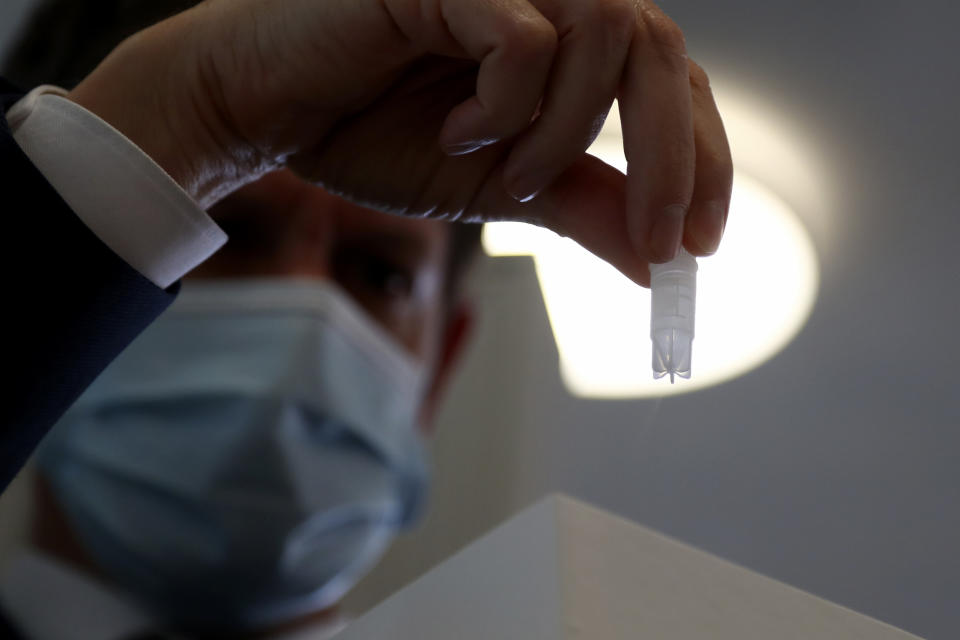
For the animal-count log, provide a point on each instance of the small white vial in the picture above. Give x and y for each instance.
(673, 296)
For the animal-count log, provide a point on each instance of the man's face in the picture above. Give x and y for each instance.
(393, 267)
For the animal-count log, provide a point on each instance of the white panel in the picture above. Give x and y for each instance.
(505, 585)
(564, 570)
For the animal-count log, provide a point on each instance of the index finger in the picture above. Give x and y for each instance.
(515, 45)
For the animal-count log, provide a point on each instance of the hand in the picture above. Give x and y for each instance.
(460, 109)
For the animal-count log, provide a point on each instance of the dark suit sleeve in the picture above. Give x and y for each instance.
(7, 630)
(70, 305)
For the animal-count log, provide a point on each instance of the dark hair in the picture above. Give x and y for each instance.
(64, 40)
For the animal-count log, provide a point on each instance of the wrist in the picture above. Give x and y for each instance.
(149, 89)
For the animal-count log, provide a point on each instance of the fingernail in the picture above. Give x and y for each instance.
(527, 186)
(667, 233)
(708, 234)
(463, 148)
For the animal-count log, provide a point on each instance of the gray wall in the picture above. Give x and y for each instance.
(832, 467)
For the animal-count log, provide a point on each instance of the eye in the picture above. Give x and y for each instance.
(369, 274)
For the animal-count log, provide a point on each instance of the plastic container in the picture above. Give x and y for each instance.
(673, 289)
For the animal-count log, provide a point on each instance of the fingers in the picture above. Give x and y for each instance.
(585, 203)
(515, 45)
(565, 61)
(656, 114)
(595, 39)
(714, 170)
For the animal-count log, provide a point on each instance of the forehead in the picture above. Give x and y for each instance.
(394, 267)
(402, 235)
(294, 204)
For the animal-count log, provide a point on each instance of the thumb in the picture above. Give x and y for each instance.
(587, 204)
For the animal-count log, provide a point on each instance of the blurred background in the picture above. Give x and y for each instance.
(833, 465)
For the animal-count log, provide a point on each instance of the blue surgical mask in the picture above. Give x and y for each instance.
(247, 458)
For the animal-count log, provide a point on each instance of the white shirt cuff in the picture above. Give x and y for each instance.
(121, 194)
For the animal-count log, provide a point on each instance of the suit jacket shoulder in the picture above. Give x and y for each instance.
(71, 305)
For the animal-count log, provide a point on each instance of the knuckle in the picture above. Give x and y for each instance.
(721, 170)
(698, 77)
(617, 17)
(665, 33)
(717, 168)
(530, 38)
